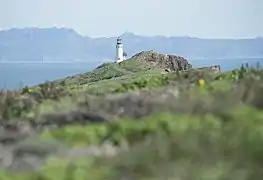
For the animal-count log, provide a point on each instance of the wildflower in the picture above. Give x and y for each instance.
(201, 82)
(30, 90)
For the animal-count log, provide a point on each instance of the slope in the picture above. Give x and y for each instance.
(142, 125)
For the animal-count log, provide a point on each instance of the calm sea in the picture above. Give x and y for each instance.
(17, 75)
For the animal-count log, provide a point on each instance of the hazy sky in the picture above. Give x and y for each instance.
(94, 18)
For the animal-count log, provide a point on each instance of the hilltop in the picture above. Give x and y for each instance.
(62, 44)
(136, 120)
(141, 63)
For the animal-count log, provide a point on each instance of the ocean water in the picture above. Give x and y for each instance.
(18, 75)
(227, 63)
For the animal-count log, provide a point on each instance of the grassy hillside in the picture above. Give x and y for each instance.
(137, 122)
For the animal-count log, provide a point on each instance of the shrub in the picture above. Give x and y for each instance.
(12, 105)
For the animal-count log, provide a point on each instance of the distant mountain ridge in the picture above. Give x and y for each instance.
(62, 44)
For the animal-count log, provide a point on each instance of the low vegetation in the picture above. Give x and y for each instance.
(134, 122)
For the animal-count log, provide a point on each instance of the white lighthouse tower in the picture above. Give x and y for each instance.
(120, 55)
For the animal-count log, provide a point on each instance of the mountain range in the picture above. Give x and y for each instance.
(63, 44)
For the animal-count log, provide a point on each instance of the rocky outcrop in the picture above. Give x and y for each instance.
(214, 68)
(164, 61)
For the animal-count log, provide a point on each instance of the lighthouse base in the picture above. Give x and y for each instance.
(119, 60)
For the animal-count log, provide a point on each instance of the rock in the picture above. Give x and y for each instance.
(215, 68)
(164, 61)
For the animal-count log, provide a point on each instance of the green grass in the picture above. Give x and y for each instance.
(164, 146)
(164, 126)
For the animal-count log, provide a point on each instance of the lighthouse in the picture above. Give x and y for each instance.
(120, 55)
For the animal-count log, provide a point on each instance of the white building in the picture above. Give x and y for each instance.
(120, 55)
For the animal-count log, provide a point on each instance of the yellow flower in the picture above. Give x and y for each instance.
(201, 82)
